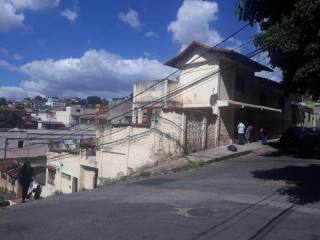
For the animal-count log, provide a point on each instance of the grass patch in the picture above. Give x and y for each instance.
(189, 166)
(144, 174)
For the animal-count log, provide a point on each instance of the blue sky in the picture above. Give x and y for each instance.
(80, 47)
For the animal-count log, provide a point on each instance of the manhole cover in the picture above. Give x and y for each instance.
(202, 212)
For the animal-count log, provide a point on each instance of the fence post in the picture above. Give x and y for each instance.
(184, 132)
(217, 128)
(128, 149)
(204, 133)
(5, 149)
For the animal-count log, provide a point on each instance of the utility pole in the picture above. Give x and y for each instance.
(184, 132)
(5, 149)
(28, 148)
(60, 167)
(128, 150)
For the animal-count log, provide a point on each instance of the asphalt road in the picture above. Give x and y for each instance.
(253, 197)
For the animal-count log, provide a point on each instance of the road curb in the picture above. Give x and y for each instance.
(185, 166)
(206, 162)
(230, 156)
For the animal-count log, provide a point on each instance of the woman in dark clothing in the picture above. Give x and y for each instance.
(25, 178)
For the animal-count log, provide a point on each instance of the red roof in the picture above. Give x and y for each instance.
(6, 165)
(14, 110)
(51, 123)
(235, 56)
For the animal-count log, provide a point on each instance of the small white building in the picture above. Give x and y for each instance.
(71, 170)
(55, 103)
(32, 143)
(71, 114)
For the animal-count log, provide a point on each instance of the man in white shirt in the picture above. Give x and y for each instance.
(241, 130)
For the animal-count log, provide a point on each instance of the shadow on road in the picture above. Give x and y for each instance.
(303, 152)
(302, 182)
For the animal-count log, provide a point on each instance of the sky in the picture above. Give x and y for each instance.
(79, 48)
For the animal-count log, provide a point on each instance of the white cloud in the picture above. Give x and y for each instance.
(16, 56)
(12, 11)
(96, 72)
(73, 13)
(9, 18)
(34, 4)
(194, 20)
(7, 54)
(263, 58)
(8, 66)
(16, 93)
(131, 18)
(192, 23)
(234, 44)
(69, 14)
(151, 34)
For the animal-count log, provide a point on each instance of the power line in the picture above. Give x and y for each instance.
(169, 95)
(200, 55)
(170, 75)
(186, 86)
(191, 84)
(181, 89)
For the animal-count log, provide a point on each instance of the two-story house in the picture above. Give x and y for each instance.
(215, 90)
(220, 82)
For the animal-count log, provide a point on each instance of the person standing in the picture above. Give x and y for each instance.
(25, 178)
(241, 129)
(263, 134)
(248, 133)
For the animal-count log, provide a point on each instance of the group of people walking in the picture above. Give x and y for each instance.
(245, 134)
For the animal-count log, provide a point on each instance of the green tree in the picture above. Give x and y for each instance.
(93, 100)
(3, 101)
(9, 119)
(290, 33)
(38, 99)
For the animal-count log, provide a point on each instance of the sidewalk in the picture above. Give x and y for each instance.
(208, 156)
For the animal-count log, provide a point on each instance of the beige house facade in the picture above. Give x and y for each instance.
(223, 83)
(215, 90)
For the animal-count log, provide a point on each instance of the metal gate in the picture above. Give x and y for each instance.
(195, 132)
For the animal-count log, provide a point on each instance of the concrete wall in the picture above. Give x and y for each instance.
(69, 168)
(226, 127)
(7, 185)
(71, 114)
(125, 150)
(250, 93)
(199, 95)
(119, 153)
(35, 142)
(66, 165)
(147, 92)
(156, 89)
(88, 178)
(46, 117)
(226, 83)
